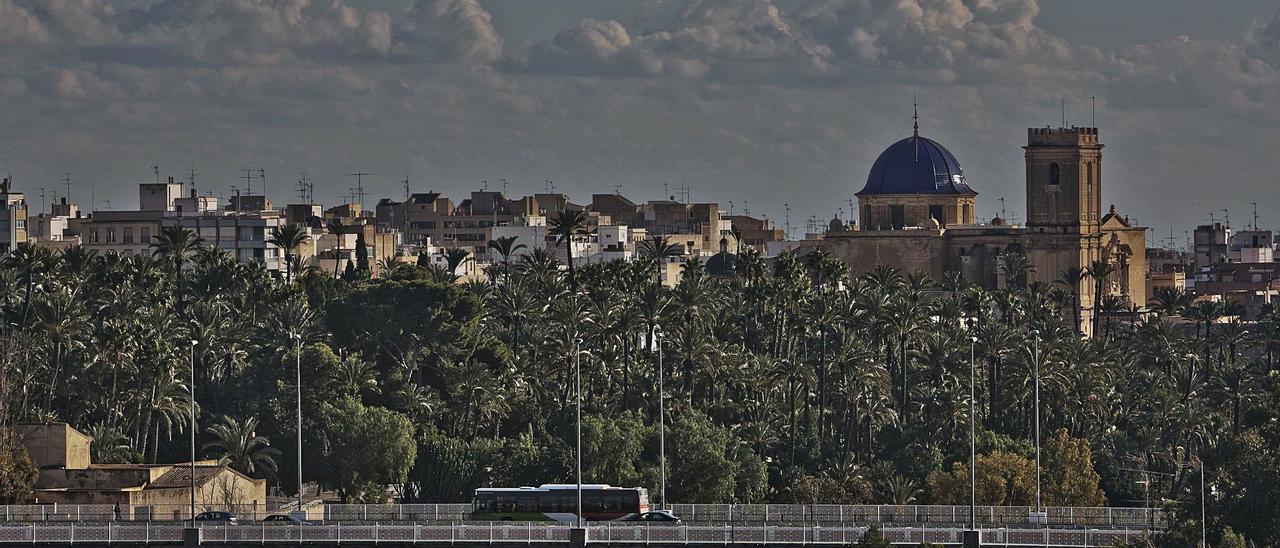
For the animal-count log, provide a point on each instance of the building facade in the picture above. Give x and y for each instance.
(917, 215)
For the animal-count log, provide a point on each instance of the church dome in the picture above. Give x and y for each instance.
(916, 165)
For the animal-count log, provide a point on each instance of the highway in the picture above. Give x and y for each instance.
(54, 534)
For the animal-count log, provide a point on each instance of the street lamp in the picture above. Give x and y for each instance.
(973, 419)
(191, 402)
(1035, 358)
(662, 429)
(577, 381)
(297, 347)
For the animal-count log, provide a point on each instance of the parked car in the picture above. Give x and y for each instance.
(216, 517)
(655, 516)
(283, 519)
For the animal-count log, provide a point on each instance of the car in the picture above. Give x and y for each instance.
(283, 519)
(216, 517)
(655, 516)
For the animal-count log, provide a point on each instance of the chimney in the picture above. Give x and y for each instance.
(170, 180)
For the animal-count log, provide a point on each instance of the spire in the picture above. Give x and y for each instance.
(915, 125)
(915, 117)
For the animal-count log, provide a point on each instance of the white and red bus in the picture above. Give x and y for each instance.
(558, 502)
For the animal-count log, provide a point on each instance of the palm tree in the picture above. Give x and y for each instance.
(506, 246)
(1099, 270)
(456, 257)
(1070, 278)
(177, 244)
(288, 238)
(565, 225)
(334, 226)
(239, 446)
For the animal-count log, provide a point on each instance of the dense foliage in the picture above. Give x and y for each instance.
(789, 381)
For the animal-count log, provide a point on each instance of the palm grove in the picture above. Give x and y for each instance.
(788, 381)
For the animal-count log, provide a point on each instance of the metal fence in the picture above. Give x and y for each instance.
(693, 513)
(542, 533)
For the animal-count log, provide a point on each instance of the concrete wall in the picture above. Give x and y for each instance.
(55, 445)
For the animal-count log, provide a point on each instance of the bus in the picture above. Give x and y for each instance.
(558, 502)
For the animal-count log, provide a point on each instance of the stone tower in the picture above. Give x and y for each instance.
(1064, 180)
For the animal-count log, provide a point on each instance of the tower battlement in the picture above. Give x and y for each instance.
(1062, 136)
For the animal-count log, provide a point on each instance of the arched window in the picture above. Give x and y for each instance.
(1055, 174)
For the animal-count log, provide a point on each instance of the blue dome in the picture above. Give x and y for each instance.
(916, 165)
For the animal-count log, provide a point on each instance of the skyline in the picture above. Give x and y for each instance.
(766, 103)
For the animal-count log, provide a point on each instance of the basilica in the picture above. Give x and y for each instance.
(916, 213)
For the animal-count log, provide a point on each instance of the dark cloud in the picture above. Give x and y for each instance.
(741, 99)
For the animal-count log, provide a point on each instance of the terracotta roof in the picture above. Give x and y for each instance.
(180, 476)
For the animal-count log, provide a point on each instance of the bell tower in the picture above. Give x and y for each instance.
(1064, 180)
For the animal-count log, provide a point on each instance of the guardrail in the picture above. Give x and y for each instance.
(695, 513)
(541, 533)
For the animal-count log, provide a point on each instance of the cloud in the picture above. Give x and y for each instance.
(451, 30)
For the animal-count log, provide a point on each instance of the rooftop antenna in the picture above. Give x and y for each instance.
(746, 208)
(191, 176)
(504, 185)
(42, 204)
(1094, 101)
(731, 207)
(302, 185)
(484, 185)
(406, 187)
(359, 190)
(156, 171)
(787, 219)
(617, 189)
(93, 196)
(262, 174)
(67, 181)
(665, 190)
(248, 183)
(1255, 214)
(1002, 213)
(1226, 218)
(1064, 111)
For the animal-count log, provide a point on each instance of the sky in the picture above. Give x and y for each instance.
(749, 103)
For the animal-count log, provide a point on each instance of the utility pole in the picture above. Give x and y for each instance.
(297, 337)
(1035, 358)
(191, 402)
(662, 430)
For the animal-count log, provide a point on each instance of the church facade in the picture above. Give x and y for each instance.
(916, 213)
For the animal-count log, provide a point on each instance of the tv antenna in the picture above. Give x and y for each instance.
(262, 174)
(303, 186)
(359, 190)
(549, 185)
(1002, 212)
(746, 208)
(406, 187)
(191, 176)
(156, 170)
(504, 185)
(248, 183)
(730, 207)
(787, 219)
(1226, 218)
(1094, 101)
(1255, 214)
(617, 189)
(43, 205)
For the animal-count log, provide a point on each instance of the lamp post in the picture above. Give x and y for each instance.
(577, 381)
(297, 346)
(1035, 358)
(191, 402)
(662, 430)
(973, 419)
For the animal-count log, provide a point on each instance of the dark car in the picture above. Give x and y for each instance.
(282, 519)
(655, 516)
(216, 517)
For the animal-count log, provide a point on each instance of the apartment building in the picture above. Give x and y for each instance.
(13, 217)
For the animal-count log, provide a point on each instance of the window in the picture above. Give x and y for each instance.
(93, 236)
(897, 216)
(111, 235)
(1055, 174)
(965, 215)
(128, 234)
(145, 234)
